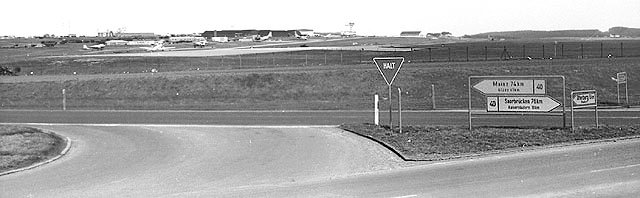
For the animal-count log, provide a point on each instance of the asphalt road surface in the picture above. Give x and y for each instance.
(183, 161)
(270, 154)
(443, 117)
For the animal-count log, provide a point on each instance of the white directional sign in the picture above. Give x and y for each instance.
(509, 87)
(521, 104)
(621, 77)
(389, 67)
(584, 98)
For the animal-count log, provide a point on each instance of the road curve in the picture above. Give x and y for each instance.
(610, 169)
(179, 161)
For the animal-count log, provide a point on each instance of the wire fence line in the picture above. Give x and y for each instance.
(441, 53)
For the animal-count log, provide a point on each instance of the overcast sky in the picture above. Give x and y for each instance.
(460, 17)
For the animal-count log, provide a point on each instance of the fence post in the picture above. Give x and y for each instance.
(325, 57)
(555, 49)
(449, 48)
(430, 55)
(582, 50)
(485, 53)
(64, 100)
(467, 53)
(543, 51)
(433, 96)
(621, 50)
(341, 57)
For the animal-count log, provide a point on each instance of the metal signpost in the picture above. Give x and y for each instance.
(584, 99)
(517, 94)
(389, 68)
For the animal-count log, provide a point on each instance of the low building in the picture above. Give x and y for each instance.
(142, 42)
(410, 34)
(236, 34)
(116, 42)
(219, 39)
(186, 39)
(136, 35)
(285, 33)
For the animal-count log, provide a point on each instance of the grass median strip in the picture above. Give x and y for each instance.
(24, 146)
(447, 142)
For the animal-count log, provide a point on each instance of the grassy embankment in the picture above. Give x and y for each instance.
(346, 88)
(447, 142)
(22, 146)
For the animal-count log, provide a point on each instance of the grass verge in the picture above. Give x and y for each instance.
(24, 146)
(429, 143)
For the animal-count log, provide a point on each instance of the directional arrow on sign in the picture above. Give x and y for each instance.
(511, 86)
(521, 104)
(389, 67)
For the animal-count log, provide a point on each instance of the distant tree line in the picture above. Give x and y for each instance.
(622, 31)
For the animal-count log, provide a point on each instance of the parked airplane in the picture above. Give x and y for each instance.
(158, 47)
(96, 47)
(259, 38)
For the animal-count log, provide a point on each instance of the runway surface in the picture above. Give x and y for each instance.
(271, 154)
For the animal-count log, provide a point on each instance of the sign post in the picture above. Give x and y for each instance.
(376, 111)
(584, 99)
(389, 68)
(400, 109)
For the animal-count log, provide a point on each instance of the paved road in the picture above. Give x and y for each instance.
(453, 117)
(122, 156)
(181, 161)
(603, 170)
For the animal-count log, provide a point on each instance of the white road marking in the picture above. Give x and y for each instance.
(615, 168)
(177, 125)
(406, 196)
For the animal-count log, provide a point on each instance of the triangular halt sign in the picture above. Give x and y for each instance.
(389, 67)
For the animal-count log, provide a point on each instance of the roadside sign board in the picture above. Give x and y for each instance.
(511, 86)
(521, 104)
(584, 99)
(389, 67)
(622, 77)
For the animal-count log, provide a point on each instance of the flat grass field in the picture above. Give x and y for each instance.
(24, 146)
(297, 80)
